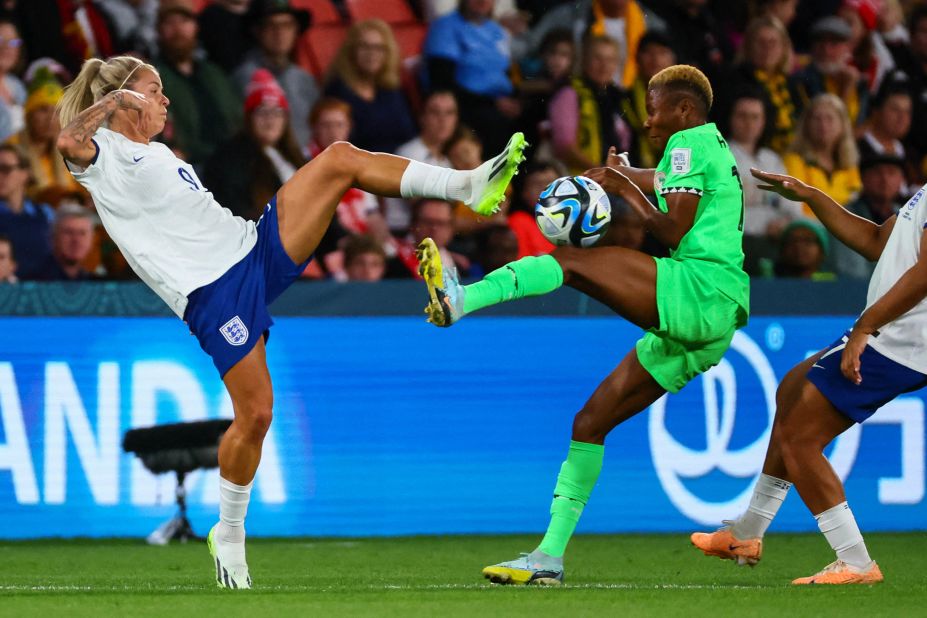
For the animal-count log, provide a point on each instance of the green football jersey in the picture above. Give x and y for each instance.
(698, 161)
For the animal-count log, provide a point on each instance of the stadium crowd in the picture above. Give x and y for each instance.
(833, 92)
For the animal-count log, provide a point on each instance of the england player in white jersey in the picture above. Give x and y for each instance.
(882, 357)
(219, 272)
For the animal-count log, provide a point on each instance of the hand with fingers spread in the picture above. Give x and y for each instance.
(136, 102)
(849, 360)
(788, 187)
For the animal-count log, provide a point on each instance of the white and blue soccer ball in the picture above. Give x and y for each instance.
(573, 210)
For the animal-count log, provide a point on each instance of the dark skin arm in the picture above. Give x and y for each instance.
(667, 227)
(907, 292)
(861, 235)
(642, 177)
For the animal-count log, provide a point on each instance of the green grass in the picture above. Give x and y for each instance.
(637, 575)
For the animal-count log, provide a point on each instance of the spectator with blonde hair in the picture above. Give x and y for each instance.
(25, 222)
(365, 74)
(824, 153)
(12, 90)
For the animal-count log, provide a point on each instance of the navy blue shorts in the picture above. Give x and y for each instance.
(883, 380)
(228, 315)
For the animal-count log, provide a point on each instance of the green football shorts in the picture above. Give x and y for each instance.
(697, 323)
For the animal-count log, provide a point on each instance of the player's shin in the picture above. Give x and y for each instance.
(842, 532)
(233, 506)
(421, 180)
(577, 477)
(529, 276)
(768, 496)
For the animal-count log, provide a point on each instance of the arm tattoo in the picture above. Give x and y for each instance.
(88, 121)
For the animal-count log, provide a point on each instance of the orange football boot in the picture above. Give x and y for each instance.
(839, 572)
(723, 544)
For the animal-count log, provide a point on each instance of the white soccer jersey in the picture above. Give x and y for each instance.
(171, 230)
(904, 340)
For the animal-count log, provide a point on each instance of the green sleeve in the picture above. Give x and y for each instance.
(685, 164)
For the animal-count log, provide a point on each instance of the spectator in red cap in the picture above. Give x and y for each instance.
(245, 172)
(870, 54)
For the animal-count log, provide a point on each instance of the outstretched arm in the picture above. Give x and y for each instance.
(908, 291)
(861, 235)
(667, 227)
(74, 141)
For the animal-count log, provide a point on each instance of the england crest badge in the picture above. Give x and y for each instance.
(235, 331)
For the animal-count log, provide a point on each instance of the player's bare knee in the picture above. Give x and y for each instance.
(344, 156)
(255, 418)
(587, 427)
(566, 257)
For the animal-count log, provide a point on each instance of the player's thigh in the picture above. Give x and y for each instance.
(249, 386)
(307, 202)
(627, 390)
(622, 279)
(809, 419)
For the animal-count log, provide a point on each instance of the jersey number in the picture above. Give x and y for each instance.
(736, 174)
(188, 178)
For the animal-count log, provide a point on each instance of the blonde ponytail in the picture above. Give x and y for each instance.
(96, 79)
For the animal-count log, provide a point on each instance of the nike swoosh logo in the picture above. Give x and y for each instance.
(137, 159)
(818, 366)
(734, 547)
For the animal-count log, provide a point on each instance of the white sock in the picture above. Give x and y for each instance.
(764, 504)
(431, 181)
(233, 506)
(840, 530)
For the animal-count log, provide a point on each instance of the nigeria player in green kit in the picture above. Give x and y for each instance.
(690, 304)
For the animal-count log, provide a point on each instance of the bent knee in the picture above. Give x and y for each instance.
(255, 417)
(588, 427)
(341, 154)
(567, 258)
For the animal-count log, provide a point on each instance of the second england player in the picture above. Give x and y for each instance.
(219, 272)
(882, 357)
(700, 218)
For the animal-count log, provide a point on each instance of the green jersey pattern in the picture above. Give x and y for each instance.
(698, 161)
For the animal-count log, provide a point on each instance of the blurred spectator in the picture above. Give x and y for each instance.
(205, 108)
(358, 212)
(496, 246)
(765, 213)
(697, 35)
(248, 170)
(434, 219)
(49, 175)
(802, 250)
(586, 116)
(364, 259)
(72, 240)
(824, 154)
(26, 223)
(464, 150)
(7, 260)
(70, 31)
(550, 73)
(12, 90)
(134, 25)
(437, 123)
(765, 61)
(537, 176)
(365, 74)
(880, 198)
(913, 61)
(433, 9)
(890, 23)
(830, 69)
(870, 55)
(469, 53)
(277, 28)
(888, 124)
(783, 10)
(622, 20)
(224, 32)
(654, 53)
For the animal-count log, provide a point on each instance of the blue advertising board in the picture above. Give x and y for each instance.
(387, 426)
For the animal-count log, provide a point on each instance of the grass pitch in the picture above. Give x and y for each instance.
(637, 575)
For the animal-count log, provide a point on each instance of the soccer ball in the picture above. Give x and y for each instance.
(573, 210)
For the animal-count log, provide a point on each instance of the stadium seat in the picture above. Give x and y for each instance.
(323, 11)
(317, 47)
(390, 11)
(410, 38)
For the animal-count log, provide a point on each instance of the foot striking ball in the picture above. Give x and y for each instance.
(573, 210)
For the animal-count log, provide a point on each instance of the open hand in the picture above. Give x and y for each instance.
(129, 99)
(610, 179)
(788, 187)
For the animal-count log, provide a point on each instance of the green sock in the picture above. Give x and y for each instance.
(529, 276)
(578, 475)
